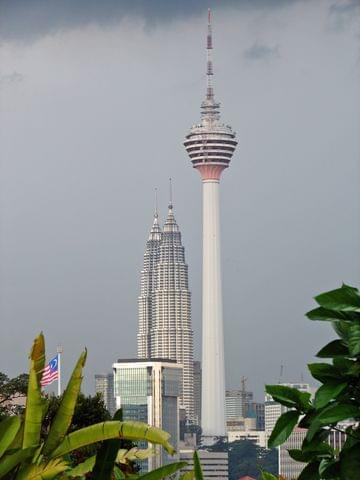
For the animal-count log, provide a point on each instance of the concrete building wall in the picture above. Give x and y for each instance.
(214, 464)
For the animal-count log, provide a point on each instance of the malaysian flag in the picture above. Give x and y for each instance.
(50, 372)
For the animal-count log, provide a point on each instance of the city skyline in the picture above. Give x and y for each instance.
(94, 113)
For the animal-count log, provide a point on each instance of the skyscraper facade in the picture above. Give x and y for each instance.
(147, 288)
(148, 391)
(237, 403)
(197, 391)
(104, 385)
(165, 305)
(210, 146)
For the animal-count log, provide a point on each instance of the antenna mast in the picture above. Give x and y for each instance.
(170, 194)
(156, 204)
(209, 68)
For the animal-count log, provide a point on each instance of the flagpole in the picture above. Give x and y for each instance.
(59, 352)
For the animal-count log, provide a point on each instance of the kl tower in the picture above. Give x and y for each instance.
(210, 146)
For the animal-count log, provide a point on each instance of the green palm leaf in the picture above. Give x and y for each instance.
(37, 355)
(197, 467)
(63, 417)
(106, 456)
(44, 471)
(35, 403)
(112, 429)
(9, 462)
(8, 430)
(82, 468)
(190, 475)
(163, 472)
(135, 453)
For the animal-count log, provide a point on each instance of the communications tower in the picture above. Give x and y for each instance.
(210, 146)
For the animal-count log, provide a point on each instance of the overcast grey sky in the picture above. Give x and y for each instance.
(96, 98)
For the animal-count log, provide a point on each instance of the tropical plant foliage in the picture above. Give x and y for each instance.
(336, 400)
(24, 454)
(247, 458)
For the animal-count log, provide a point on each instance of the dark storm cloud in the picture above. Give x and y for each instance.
(342, 13)
(259, 51)
(26, 20)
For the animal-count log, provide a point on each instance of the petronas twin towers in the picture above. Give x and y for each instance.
(165, 304)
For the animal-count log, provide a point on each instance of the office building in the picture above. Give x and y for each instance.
(104, 384)
(149, 391)
(214, 464)
(237, 403)
(257, 410)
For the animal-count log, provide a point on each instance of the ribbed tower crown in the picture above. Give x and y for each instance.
(210, 144)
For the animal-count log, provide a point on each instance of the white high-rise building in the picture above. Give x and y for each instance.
(165, 305)
(210, 146)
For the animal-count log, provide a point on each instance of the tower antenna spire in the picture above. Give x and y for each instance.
(156, 203)
(209, 63)
(170, 194)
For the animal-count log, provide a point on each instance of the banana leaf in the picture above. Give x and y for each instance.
(142, 431)
(82, 468)
(8, 430)
(37, 355)
(63, 417)
(9, 462)
(163, 471)
(190, 475)
(112, 429)
(44, 471)
(197, 467)
(106, 456)
(135, 453)
(118, 474)
(18, 440)
(35, 403)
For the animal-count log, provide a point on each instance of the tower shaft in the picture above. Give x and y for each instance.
(213, 369)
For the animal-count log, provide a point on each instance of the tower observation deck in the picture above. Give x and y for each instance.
(210, 146)
(210, 143)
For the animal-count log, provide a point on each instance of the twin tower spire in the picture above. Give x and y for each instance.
(155, 232)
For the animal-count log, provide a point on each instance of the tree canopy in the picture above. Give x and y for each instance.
(12, 389)
(247, 458)
(336, 404)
